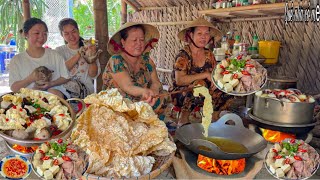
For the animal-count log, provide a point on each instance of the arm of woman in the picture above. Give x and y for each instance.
(17, 85)
(184, 79)
(125, 83)
(72, 61)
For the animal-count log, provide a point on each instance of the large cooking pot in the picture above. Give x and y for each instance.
(281, 82)
(192, 137)
(11, 140)
(275, 110)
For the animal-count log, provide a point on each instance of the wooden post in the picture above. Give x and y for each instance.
(101, 34)
(123, 12)
(26, 10)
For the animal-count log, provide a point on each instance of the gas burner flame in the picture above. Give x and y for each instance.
(221, 167)
(275, 136)
(24, 149)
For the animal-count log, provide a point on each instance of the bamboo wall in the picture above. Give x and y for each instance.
(298, 58)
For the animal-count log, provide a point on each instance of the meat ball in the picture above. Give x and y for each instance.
(43, 134)
(20, 134)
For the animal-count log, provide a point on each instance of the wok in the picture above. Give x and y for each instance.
(11, 140)
(192, 137)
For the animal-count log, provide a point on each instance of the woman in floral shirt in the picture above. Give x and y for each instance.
(193, 66)
(130, 69)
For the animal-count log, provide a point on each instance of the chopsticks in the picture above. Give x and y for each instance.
(175, 92)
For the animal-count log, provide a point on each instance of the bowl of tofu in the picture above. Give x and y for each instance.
(59, 159)
(292, 159)
(239, 76)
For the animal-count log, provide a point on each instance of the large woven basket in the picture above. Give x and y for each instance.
(160, 165)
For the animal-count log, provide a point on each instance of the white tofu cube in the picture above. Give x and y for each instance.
(284, 151)
(44, 147)
(54, 169)
(272, 168)
(47, 164)
(227, 78)
(239, 75)
(219, 70)
(270, 161)
(277, 147)
(234, 82)
(259, 93)
(37, 156)
(60, 160)
(292, 160)
(228, 87)
(217, 76)
(225, 63)
(279, 172)
(279, 162)
(285, 168)
(36, 162)
(40, 171)
(48, 174)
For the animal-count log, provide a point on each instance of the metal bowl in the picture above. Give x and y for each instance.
(27, 155)
(233, 92)
(11, 140)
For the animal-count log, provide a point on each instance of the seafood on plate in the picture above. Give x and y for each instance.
(287, 95)
(292, 159)
(59, 160)
(239, 75)
(32, 114)
(121, 137)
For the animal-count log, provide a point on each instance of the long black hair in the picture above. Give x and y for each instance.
(72, 22)
(29, 23)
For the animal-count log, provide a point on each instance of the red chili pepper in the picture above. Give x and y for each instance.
(21, 110)
(7, 119)
(225, 72)
(287, 161)
(292, 141)
(39, 109)
(302, 150)
(235, 76)
(41, 115)
(71, 150)
(60, 141)
(61, 114)
(222, 67)
(278, 157)
(47, 143)
(36, 139)
(14, 107)
(239, 57)
(41, 151)
(56, 132)
(55, 162)
(66, 158)
(274, 150)
(46, 158)
(298, 158)
(245, 73)
(249, 65)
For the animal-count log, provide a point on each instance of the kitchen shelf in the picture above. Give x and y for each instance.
(276, 9)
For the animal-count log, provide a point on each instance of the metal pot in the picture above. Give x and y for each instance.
(281, 82)
(274, 110)
(11, 140)
(191, 136)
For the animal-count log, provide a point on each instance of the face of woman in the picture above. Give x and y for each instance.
(71, 35)
(201, 36)
(37, 35)
(134, 44)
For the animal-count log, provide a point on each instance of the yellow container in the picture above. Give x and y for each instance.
(270, 50)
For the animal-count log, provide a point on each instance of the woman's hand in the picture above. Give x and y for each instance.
(45, 86)
(148, 96)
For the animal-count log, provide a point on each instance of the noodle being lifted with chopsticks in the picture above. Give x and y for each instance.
(207, 107)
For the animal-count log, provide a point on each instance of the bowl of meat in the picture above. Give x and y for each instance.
(292, 159)
(31, 117)
(240, 76)
(59, 159)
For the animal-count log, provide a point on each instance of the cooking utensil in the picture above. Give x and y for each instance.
(192, 137)
(11, 140)
(286, 128)
(281, 82)
(233, 92)
(275, 110)
(175, 92)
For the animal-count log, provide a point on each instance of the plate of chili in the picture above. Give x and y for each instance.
(15, 167)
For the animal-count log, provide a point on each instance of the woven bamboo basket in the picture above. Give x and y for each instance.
(161, 164)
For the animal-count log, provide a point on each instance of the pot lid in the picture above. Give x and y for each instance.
(282, 79)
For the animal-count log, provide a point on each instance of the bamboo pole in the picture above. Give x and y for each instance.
(101, 34)
(251, 19)
(132, 5)
(169, 23)
(26, 10)
(123, 12)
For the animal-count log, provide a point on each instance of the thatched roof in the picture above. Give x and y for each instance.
(162, 3)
